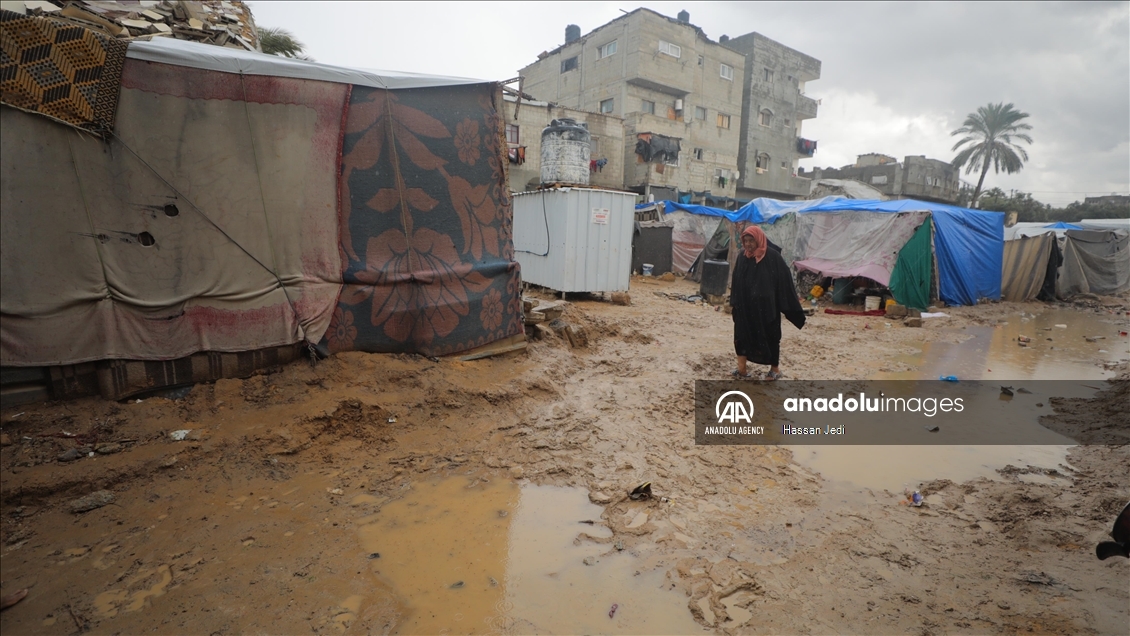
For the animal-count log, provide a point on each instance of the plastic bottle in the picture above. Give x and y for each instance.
(948, 378)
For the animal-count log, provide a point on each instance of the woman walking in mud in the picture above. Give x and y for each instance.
(761, 290)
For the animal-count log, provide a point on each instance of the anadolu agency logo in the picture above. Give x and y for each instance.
(734, 408)
(738, 409)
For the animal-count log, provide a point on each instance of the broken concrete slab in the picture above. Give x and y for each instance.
(92, 501)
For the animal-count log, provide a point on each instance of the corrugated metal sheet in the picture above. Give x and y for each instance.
(564, 243)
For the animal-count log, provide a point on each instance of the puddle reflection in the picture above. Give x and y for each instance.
(471, 556)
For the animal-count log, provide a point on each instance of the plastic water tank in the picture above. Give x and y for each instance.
(714, 275)
(565, 152)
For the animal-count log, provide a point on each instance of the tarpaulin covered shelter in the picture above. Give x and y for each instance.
(227, 201)
(1025, 266)
(850, 237)
(1094, 262)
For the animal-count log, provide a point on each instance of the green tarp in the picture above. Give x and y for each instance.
(910, 280)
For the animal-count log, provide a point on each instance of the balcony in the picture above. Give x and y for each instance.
(805, 107)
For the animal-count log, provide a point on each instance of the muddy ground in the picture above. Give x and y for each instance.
(259, 518)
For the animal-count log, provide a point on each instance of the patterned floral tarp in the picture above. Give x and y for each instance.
(425, 224)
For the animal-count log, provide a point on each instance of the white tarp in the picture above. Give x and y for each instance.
(689, 235)
(238, 61)
(843, 244)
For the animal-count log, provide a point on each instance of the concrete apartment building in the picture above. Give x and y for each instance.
(774, 108)
(524, 124)
(672, 86)
(915, 178)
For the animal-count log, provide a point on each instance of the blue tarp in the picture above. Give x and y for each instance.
(1060, 225)
(969, 244)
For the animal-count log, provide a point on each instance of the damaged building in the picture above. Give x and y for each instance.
(916, 177)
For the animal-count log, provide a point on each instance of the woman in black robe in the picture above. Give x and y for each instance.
(761, 290)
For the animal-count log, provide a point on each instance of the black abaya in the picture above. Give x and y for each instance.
(759, 294)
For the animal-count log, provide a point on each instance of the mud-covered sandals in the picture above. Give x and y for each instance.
(738, 375)
(774, 375)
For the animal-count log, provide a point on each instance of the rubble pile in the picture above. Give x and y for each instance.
(217, 22)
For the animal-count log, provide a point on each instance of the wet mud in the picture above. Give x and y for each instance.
(394, 494)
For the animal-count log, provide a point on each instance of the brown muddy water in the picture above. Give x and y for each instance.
(1064, 345)
(475, 554)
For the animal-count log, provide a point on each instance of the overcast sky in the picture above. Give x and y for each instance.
(896, 78)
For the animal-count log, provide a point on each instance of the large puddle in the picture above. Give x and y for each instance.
(475, 555)
(1064, 345)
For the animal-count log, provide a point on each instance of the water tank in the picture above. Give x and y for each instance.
(565, 152)
(684, 17)
(572, 32)
(714, 275)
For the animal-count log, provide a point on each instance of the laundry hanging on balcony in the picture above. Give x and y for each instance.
(657, 148)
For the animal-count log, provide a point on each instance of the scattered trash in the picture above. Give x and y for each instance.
(640, 492)
(1121, 333)
(933, 429)
(335, 491)
(1022, 344)
(948, 378)
(1061, 326)
(916, 499)
(1102, 351)
(1094, 338)
(612, 612)
(589, 560)
(180, 435)
(392, 420)
(587, 522)
(936, 314)
(1023, 339)
(23, 412)
(619, 545)
(1023, 390)
(92, 501)
(375, 555)
(866, 325)
(1006, 390)
(457, 585)
(1040, 404)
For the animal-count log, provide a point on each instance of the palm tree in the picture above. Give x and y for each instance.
(279, 41)
(993, 132)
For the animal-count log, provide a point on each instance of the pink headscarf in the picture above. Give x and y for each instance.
(760, 243)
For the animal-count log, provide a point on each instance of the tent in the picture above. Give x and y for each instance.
(219, 200)
(1094, 262)
(837, 236)
(1025, 266)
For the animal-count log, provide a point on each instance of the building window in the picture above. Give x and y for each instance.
(674, 50)
(606, 50)
(698, 153)
(512, 134)
(647, 107)
(723, 121)
(700, 113)
(672, 161)
(569, 64)
(762, 163)
(727, 72)
(879, 179)
(768, 75)
(765, 117)
(606, 105)
(700, 60)
(785, 165)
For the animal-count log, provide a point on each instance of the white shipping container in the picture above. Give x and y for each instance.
(575, 239)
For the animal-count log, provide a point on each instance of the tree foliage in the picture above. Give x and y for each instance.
(991, 138)
(1029, 210)
(279, 41)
